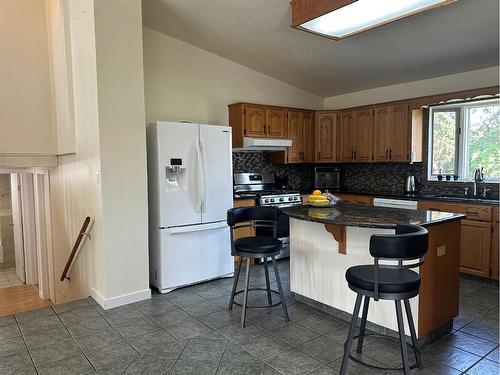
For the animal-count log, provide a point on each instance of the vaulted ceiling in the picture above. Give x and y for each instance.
(459, 37)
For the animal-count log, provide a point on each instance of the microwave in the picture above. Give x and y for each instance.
(327, 178)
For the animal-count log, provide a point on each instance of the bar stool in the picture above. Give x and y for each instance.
(388, 282)
(254, 248)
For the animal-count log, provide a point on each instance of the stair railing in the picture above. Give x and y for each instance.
(74, 250)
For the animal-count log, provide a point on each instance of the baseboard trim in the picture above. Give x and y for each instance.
(117, 301)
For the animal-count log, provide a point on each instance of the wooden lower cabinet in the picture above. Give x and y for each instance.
(356, 199)
(475, 248)
(243, 232)
(476, 241)
(494, 246)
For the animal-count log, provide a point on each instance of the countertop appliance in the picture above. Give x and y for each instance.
(412, 184)
(261, 187)
(190, 172)
(396, 203)
(327, 178)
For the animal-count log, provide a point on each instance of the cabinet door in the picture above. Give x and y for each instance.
(294, 128)
(397, 132)
(326, 137)
(380, 134)
(362, 135)
(275, 121)
(475, 248)
(345, 142)
(255, 121)
(308, 137)
(494, 245)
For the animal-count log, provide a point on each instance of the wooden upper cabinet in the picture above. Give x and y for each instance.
(326, 137)
(255, 121)
(381, 134)
(308, 137)
(294, 127)
(398, 132)
(345, 152)
(275, 122)
(362, 135)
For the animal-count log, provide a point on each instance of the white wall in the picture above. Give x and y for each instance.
(123, 148)
(25, 102)
(454, 82)
(184, 82)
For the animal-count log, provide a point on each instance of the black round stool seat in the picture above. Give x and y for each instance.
(257, 247)
(390, 280)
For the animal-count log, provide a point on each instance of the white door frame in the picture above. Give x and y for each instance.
(29, 227)
(44, 234)
(15, 190)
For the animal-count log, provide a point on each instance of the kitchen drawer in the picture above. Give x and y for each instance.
(472, 211)
(356, 199)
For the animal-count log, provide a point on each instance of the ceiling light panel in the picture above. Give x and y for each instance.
(363, 15)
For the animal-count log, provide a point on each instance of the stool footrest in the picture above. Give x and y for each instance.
(359, 362)
(258, 306)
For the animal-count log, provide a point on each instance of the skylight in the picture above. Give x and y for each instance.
(363, 15)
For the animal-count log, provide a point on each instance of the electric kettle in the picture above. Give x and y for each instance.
(412, 184)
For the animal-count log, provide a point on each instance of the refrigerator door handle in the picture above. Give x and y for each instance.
(199, 177)
(196, 228)
(203, 147)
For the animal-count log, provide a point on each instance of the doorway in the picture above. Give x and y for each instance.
(26, 281)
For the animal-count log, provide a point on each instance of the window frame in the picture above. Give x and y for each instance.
(461, 140)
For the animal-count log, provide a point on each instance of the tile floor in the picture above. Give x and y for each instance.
(190, 331)
(8, 278)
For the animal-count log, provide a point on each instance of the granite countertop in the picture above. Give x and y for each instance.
(438, 197)
(368, 216)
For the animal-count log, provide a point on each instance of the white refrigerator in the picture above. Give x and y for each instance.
(190, 190)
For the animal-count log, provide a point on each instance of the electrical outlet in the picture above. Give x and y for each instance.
(441, 250)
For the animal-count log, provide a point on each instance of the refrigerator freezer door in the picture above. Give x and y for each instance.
(177, 144)
(216, 153)
(193, 254)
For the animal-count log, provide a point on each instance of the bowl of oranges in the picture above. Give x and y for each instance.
(318, 199)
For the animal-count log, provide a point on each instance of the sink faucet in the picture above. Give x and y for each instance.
(478, 178)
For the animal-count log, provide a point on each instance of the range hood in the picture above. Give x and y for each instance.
(264, 144)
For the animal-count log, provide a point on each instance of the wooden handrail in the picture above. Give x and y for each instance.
(78, 241)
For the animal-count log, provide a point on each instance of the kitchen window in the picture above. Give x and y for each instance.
(463, 137)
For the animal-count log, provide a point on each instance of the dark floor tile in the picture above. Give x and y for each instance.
(77, 365)
(46, 335)
(482, 330)
(70, 306)
(494, 355)
(159, 343)
(9, 331)
(323, 349)
(150, 365)
(242, 368)
(117, 357)
(187, 329)
(237, 334)
(234, 353)
(7, 320)
(204, 350)
(449, 356)
(294, 334)
(137, 327)
(123, 314)
(77, 316)
(16, 363)
(325, 370)
(155, 306)
(210, 292)
(298, 312)
(184, 298)
(85, 326)
(264, 346)
(435, 369)
(202, 308)
(54, 351)
(469, 343)
(40, 324)
(386, 351)
(340, 336)
(12, 346)
(100, 338)
(322, 324)
(222, 301)
(293, 362)
(190, 367)
(219, 319)
(271, 320)
(34, 314)
(484, 367)
(167, 318)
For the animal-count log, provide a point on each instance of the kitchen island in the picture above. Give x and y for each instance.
(325, 242)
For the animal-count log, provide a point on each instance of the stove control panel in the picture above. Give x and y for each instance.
(281, 200)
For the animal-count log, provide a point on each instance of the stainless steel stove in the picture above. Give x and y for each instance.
(260, 186)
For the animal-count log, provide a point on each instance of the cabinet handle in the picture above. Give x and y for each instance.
(390, 153)
(319, 155)
(386, 153)
(472, 213)
(433, 209)
(354, 154)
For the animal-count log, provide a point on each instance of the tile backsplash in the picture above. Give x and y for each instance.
(369, 177)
